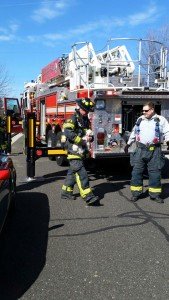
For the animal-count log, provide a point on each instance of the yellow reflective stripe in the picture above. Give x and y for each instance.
(136, 188)
(87, 102)
(31, 140)
(77, 139)
(84, 101)
(8, 127)
(57, 152)
(67, 188)
(73, 156)
(69, 121)
(64, 187)
(83, 193)
(155, 190)
(68, 125)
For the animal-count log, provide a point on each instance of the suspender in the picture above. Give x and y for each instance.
(156, 138)
(157, 131)
(137, 129)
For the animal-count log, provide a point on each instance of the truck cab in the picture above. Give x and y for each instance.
(11, 106)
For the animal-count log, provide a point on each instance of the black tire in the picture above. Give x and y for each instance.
(62, 161)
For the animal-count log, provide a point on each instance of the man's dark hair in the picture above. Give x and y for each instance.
(150, 104)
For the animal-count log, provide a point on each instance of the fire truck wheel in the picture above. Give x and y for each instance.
(61, 161)
(52, 158)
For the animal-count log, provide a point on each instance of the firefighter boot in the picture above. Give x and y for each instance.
(157, 199)
(134, 198)
(67, 195)
(92, 200)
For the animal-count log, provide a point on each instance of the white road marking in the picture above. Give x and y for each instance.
(16, 137)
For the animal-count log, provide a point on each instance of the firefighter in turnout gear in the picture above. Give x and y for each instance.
(3, 140)
(78, 135)
(149, 133)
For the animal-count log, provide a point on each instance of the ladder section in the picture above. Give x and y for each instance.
(115, 68)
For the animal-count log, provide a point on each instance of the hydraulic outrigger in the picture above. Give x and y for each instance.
(35, 151)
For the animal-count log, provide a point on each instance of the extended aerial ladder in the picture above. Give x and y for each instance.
(114, 67)
(87, 69)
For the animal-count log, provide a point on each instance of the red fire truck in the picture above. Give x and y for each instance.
(118, 84)
(11, 106)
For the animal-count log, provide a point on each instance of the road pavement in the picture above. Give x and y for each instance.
(62, 250)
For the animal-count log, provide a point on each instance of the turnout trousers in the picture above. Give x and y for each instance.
(154, 160)
(77, 174)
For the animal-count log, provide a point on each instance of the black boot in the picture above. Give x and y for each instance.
(134, 198)
(92, 200)
(157, 199)
(67, 196)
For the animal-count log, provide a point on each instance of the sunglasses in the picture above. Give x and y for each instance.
(146, 110)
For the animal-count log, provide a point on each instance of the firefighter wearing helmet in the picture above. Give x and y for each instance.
(75, 131)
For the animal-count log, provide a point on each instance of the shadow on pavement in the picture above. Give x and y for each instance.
(109, 188)
(48, 178)
(112, 169)
(23, 245)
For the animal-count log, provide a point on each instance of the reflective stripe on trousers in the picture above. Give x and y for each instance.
(77, 174)
(154, 161)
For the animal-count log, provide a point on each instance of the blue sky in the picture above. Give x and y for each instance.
(34, 32)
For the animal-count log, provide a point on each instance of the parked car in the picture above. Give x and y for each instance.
(7, 187)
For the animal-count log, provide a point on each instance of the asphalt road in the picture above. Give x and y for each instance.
(63, 250)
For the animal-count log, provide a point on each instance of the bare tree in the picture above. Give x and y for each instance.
(152, 50)
(5, 82)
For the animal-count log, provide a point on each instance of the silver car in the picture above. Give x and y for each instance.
(7, 188)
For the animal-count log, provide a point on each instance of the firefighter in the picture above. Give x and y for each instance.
(75, 131)
(149, 132)
(3, 140)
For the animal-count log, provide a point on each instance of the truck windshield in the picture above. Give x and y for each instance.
(12, 105)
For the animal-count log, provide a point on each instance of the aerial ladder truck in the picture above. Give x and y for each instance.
(118, 84)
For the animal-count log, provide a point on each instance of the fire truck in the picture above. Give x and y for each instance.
(10, 106)
(118, 82)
